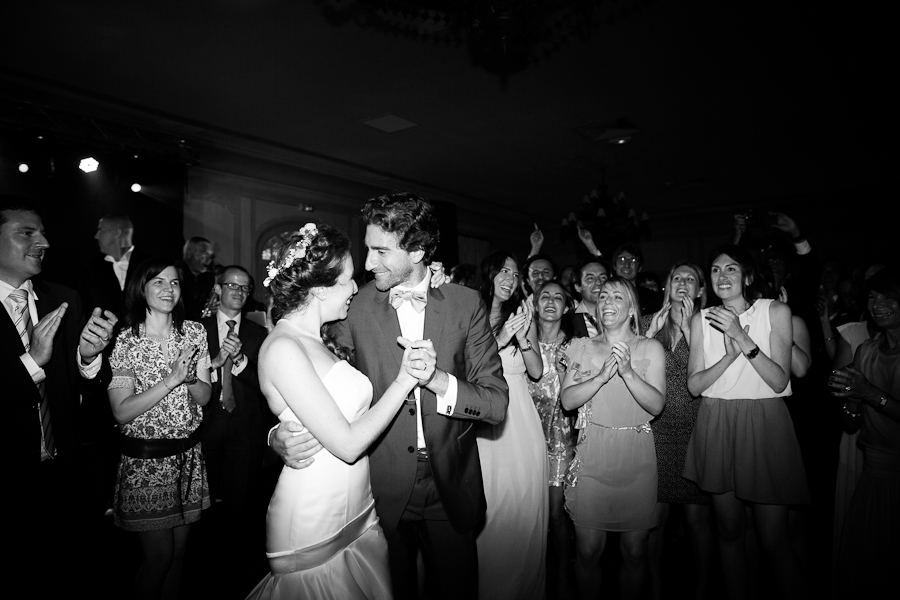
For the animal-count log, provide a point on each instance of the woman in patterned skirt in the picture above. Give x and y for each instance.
(551, 302)
(160, 367)
(671, 326)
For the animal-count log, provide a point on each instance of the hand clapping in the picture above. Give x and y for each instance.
(622, 355)
(182, 368)
(97, 333)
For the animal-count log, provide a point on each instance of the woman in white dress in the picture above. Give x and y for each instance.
(323, 536)
(512, 546)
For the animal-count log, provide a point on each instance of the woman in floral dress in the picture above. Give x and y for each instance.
(160, 367)
(551, 302)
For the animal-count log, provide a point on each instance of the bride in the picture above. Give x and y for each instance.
(323, 536)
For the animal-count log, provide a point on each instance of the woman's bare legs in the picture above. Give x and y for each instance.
(655, 549)
(699, 520)
(731, 521)
(589, 546)
(162, 563)
(773, 535)
(560, 533)
(633, 545)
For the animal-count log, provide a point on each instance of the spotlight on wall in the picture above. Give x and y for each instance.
(135, 187)
(88, 165)
(23, 168)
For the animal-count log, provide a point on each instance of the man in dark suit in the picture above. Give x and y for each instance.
(425, 469)
(233, 422)
(105, 284)
(197, 279)
(49, 361)
(233, 429)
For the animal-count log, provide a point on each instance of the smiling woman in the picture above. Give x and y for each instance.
(513, 453)
(743, 449)
(616, 381)
(871, 388)
(160, 366)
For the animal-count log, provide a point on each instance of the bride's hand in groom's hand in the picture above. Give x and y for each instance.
(295, 445)
(420, 359)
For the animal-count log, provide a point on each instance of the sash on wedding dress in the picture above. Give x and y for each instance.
(291, 561)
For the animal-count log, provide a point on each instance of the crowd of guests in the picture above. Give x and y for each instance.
(446, 442)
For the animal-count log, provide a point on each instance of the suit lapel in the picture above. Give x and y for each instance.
(386, 317)
(434, 317)
(44, 303)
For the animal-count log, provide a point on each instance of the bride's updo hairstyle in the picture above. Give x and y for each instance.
(312, 257)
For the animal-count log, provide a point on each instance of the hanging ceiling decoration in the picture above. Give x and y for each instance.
(502, 36)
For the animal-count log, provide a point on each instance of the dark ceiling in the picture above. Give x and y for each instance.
(734, 102)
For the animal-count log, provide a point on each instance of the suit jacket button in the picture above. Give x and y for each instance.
(411, 449)
(412, 411)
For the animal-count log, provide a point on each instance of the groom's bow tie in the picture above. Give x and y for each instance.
(417, 299)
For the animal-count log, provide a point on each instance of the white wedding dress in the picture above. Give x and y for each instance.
(323, 537)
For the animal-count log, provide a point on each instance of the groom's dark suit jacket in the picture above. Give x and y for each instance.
(456, 322)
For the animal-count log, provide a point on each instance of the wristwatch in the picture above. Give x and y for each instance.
(882, 402)
(239, 361)
(528, 347)
(752, 354)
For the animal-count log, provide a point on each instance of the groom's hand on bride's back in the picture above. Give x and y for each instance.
(294, 444)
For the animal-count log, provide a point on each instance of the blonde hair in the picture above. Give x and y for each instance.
(620, 283)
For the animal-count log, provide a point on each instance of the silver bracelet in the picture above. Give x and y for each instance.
(850, 413)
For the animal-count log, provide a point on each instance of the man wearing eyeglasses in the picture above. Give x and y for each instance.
(233, 430)
(627, 263)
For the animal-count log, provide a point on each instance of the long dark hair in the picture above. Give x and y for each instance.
(489, 269)
(322, 263)
(565, 324)
(751, 291)
(136, 303)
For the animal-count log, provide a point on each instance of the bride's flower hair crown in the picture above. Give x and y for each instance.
(307, 234)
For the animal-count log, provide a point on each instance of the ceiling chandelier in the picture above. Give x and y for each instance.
(502, 36)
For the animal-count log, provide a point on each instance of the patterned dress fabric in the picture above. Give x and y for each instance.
(557, 425)
(159, 493)
(673, 426)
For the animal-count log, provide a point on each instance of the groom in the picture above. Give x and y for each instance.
(425, 470)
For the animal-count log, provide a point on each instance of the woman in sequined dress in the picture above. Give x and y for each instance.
(551, 302)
